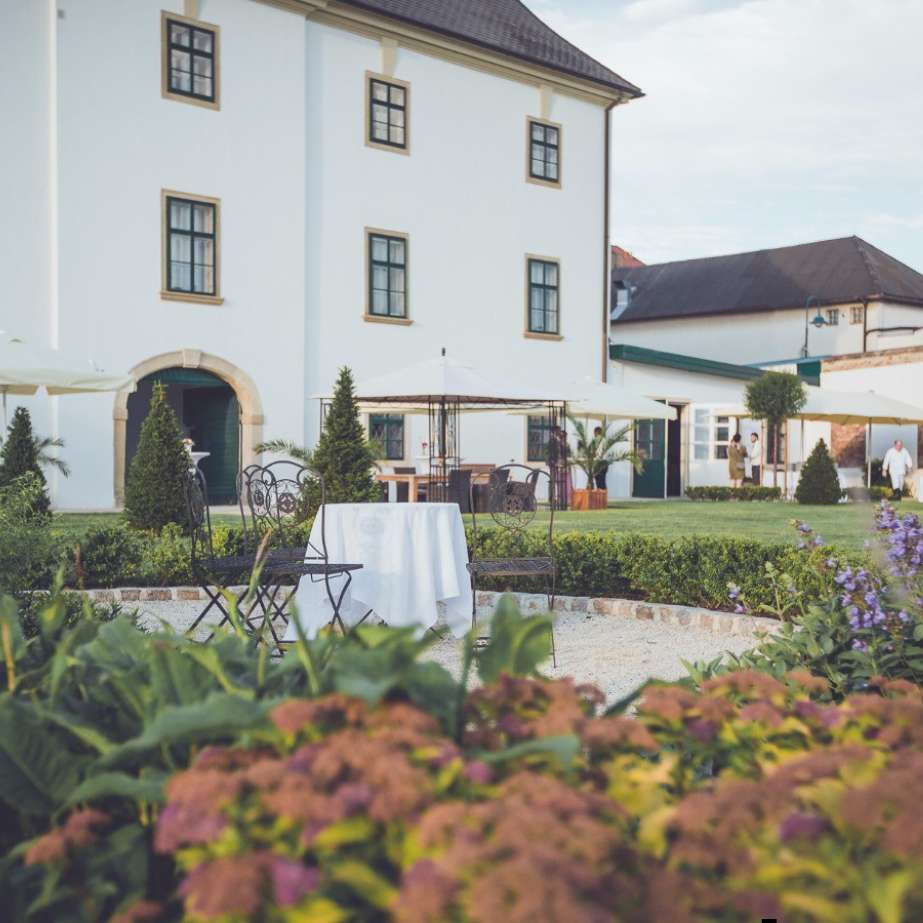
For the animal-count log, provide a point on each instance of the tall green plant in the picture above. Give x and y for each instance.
(22, 455)
(775, 397)
(594, 452)
(343, 455)
(154, 494)
(819, 482)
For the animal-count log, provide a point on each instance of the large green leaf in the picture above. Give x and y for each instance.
(518, 645)
(563, 749)
(36, 771)
(119, 785)
(218, 716)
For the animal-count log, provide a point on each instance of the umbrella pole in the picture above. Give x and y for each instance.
(868, 455)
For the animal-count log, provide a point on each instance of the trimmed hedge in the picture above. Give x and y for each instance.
(748, 492)
(688, 571)
(866, 494)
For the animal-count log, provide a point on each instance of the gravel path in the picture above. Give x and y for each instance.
(616, 654)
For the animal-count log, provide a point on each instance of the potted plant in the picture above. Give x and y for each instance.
(595, 452)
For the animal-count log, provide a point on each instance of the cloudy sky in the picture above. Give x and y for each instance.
(766, 122)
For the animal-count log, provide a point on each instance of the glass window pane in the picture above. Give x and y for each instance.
(551, 171)
(551, 135)
(179, 34)
(701, 452)
(397, 280)
(202, 41)
(397, 136)
(379, 277)
(203, 218)
(204, 251)
(202, 66)
(538, 132)
(537, 321)
(379, 302)
(379, 91)
(180, 248)
(379, 249)
(536, 274)
(397, 96)
(551, 155)
(180, 60)
(397, 251)
(180, 80)
(397, 117)
(180, 215)
(536, 299)
(701, 416)
(701, 434)
(379, 131)
(538, 168)
(180, 276)
(551, 300)
(551, 274)
(396, 301)
(202, 86)
(379, 113)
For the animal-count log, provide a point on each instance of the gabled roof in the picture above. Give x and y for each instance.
(506, 26)
(831, 271)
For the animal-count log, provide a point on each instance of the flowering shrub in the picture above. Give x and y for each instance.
(867, 623)
(744, 800)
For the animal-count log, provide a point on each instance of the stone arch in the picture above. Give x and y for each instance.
(251, 407)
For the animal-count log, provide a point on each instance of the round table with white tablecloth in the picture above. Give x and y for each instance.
(413, 558)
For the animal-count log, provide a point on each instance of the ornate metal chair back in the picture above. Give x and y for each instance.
(512, 498)
(195, 489)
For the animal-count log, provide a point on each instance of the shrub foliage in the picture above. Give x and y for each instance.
(20, 457)
(819, 483)
(750, 492)
(154, 494)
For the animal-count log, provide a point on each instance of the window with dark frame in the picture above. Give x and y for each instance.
(191, 246)
(544, 314)
(190, 65)
(387, 276)
(538, 438)
(387, 113)
(544, 152)
(387, 431)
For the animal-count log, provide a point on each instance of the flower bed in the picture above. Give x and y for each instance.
(749, 492)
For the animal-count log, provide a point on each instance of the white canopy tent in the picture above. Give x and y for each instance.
(25, 368)
(849, 407)
(591, 398)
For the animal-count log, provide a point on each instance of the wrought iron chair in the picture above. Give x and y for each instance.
(511, 505)
(211, 571)
(276, 495)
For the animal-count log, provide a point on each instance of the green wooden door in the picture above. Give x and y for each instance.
(212, 418)
(650, 442)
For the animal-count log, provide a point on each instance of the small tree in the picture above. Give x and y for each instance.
(775, 397)
(154, 494)
(343, 455)
(21, 456)
(819, 482)
(595, 452)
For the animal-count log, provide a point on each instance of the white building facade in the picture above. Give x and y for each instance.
(238, 197)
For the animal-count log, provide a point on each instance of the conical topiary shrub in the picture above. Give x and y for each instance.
(819, 482)
(20, 456)
(154, 494)
(342, 454)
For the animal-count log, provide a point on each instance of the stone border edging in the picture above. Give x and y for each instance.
(716, 622)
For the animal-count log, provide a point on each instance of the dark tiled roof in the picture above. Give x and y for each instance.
(833, 271)
(507, 26)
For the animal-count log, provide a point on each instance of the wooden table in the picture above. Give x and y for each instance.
(411, 480)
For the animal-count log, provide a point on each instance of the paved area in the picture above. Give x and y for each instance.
(614, 653)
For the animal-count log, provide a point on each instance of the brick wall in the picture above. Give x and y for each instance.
(847, 444)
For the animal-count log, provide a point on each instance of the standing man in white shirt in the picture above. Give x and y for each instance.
(755, 453)
(897, 464)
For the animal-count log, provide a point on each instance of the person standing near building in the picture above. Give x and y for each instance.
(756, 459)
(602, 467)
(897, 464)
(736, 461)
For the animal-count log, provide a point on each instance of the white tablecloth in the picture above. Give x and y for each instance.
(413, 557)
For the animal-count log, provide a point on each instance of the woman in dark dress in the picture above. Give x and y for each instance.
(558, 451)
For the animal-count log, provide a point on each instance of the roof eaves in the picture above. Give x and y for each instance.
(624, 352)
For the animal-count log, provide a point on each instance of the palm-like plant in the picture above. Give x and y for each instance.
(287, 447)
(43, 447)
(593, 452)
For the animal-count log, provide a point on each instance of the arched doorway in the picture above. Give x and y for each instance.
(208, 413)
(214, 400)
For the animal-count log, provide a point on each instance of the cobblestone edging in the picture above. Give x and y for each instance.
(719, 623)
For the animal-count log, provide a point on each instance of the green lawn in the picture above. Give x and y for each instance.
(847, 525)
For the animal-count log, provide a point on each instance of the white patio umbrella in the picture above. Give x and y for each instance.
(25, 368)
(851, 407)
(596, 399)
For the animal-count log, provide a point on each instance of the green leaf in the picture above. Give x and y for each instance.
(563, 748)
(367, 883)
(218, 716)
(120, 785)
(918, 632)
(36, 771)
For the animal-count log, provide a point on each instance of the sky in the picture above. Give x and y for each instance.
(765, 122)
